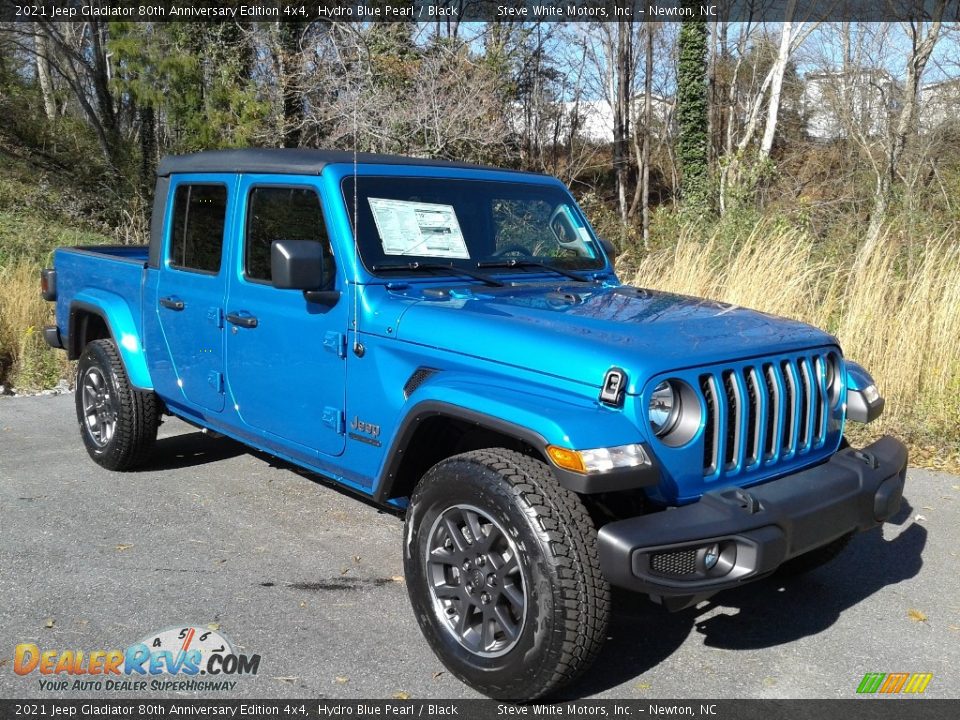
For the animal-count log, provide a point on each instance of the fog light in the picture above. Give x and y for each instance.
(711, 557)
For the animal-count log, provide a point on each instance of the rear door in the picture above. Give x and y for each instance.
(191, 289)
(286, 366)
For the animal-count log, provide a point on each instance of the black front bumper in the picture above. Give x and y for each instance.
(753, 531)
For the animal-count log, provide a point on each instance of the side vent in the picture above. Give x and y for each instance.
(418, 378)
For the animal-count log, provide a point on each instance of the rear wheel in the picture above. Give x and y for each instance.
(118, 423)
(503, 574)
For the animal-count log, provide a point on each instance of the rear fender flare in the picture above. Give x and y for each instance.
(116, 315)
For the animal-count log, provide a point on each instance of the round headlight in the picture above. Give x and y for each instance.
(664, 408)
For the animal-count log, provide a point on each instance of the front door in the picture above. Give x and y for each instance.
(286, 365)
(190, 293)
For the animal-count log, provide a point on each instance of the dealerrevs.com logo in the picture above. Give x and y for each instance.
(176, 659)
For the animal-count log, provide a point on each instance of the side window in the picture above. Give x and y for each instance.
(199, 216)
(282, 213)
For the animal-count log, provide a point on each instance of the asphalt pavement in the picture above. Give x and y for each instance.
(311, 579)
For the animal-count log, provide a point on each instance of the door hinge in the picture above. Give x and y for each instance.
(336, 343)
(216, 380)
(215, 316)
(334, 418)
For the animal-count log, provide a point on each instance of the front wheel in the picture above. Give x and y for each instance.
(503, 574)
(118, 423)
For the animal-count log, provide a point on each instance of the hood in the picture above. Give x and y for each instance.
(578, 332)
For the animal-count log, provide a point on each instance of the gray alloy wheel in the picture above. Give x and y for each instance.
(475, 581)
(99, 407)
(118, 423)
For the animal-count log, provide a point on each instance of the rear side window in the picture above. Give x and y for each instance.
(199, 216)
(281, 213)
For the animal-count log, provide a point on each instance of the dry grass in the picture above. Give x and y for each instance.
(25, 360)
(899, 316)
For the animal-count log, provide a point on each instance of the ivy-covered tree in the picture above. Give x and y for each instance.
(692, 118)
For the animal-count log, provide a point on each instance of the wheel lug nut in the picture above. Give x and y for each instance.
(480, 561)
(466, 565)
(484, 598)
(491, 580)
(469, 587)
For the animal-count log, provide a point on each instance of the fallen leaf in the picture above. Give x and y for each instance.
(769, 681)
(344, 571)
(288, 678)
(401, 695)
(213, 626)
(49, 623)
(956, 487)
(642, 686)
(437, 674)
(916, 615)
(341, 679)
(356, 559)
(3, 662)
(303, 603)
(919, 518)
(955, 627)
(124, 546)
(397, 578)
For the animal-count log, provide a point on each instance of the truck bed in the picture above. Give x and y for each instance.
(111, 274)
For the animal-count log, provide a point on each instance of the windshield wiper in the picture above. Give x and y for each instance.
(436, 267)
(518, 263)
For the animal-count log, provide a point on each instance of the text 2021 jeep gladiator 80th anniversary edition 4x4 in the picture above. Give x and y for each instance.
(452, 340)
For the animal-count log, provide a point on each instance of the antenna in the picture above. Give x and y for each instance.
(358, 348)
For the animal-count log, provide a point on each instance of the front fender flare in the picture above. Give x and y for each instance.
(120, 322)
(537, 420)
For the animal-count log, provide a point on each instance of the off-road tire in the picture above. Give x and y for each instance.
(137, 412)
(567, 600)
(815, 558)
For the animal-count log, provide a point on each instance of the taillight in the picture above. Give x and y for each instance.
(48, 284)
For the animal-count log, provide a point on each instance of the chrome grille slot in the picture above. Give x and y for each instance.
(711, 428)
(754, 422)
(820, 383)
(774, 411)
(789, 444)
(806, 404)
(764, 413)
(732, 438)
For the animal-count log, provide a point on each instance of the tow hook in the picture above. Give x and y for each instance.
(868, 458)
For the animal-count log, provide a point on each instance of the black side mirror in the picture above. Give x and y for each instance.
(609, 248)
(300, 265)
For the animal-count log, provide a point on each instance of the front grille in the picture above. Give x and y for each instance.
(682, 562)
(763, 413)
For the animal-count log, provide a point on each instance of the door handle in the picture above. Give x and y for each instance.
(242, 318)
(172, 303)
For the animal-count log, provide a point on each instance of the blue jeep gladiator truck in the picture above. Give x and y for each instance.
(452, 341)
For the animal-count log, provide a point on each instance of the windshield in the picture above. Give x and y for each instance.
(463, 223)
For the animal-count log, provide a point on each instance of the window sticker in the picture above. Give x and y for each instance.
(418, 228)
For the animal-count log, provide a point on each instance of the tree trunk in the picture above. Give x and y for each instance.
(621, 112)
(921, 50)
(43, 73)
(148, 147)
(647, 121)
(776, 85)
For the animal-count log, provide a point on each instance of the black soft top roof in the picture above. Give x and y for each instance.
(290, 161)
